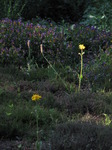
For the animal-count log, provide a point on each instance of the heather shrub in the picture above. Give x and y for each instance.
(84, 102)
(81, 135)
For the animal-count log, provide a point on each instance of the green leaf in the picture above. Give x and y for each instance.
(8, 113)
(11, 105)
(20, 146)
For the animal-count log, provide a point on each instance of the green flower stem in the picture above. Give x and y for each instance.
(29, 53)
(37, 127)
(81, 75)
(37, 141)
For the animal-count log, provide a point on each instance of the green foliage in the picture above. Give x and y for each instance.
(99, 71)
(81, 136)
(14, 120)
(107, 121)
(11, 9)
(18, 119)
(33, 73)
(98, 13)
(48, 117)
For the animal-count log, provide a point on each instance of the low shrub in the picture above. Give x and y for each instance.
(15, 121)
(18, 119)
(85, 102)
(77, 135)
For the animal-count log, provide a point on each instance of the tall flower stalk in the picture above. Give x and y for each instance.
(29, 49)
(37, 97)
(80, 76)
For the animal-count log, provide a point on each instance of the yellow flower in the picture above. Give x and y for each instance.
(81, 47)
(36, 97)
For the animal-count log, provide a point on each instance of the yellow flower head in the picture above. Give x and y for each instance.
(36, 97)
(81, 47)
